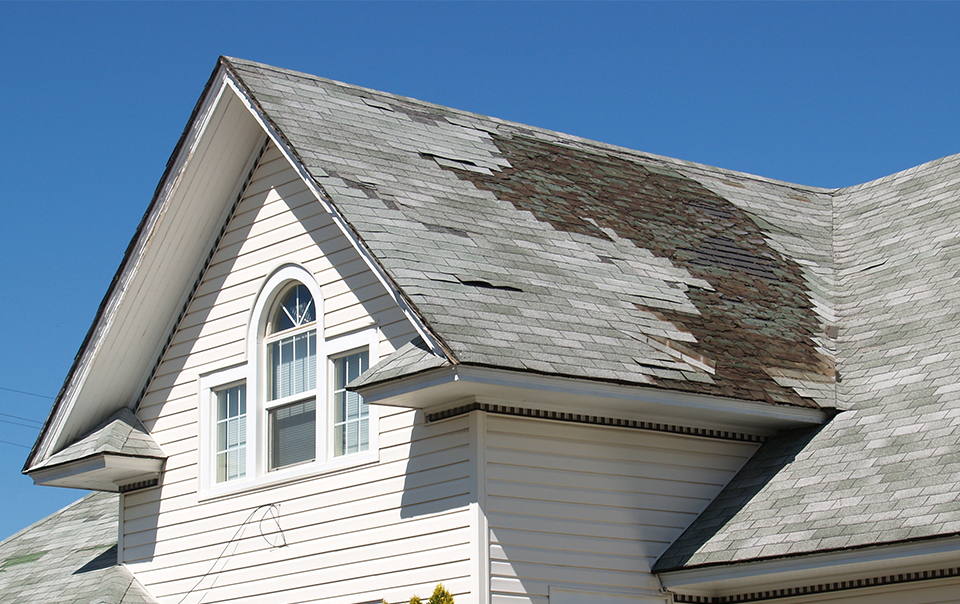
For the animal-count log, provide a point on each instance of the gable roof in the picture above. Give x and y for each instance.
(69, 557)
(536, 251)
(521, 249)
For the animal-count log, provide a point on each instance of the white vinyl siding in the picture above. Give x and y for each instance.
(383, 530)
(571, 506)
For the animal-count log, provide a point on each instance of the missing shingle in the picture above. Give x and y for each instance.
(487, 285)
(606, 259)
(369, 189)
(873, 266)
(439, 228)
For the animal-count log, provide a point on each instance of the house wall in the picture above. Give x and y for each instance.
(384, 530)
(590, 508)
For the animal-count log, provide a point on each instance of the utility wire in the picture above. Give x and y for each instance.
(7, 442)
(25, 419)
(7, 421)
(27, 393)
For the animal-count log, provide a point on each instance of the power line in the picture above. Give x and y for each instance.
(7, 442)
(27, 393)
(26, 419)
(7, 421)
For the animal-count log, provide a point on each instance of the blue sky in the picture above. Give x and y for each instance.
(94, 97)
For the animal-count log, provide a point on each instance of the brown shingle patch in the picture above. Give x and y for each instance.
(757, 315)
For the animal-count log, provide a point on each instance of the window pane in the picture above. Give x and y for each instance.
(293, 433)
(292, 365)
(231, 437)
(351, 428)
(295, 310)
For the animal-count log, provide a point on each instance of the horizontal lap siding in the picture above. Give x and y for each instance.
(573, 506)
(384, 530)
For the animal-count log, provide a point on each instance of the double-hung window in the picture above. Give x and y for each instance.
(286, 412)
(231, 442)
(291, 369)
(351, 416)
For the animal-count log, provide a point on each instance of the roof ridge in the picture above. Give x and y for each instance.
(574, 138)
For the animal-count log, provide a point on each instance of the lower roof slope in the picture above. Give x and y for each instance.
(69, 557)
(532, 250)
(887, 470)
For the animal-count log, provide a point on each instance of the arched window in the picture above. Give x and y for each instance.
(286, 412)
(291, 372)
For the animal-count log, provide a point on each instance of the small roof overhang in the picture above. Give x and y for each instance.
(103, 472)
(449, 386)
(818, 572)
(118, 455)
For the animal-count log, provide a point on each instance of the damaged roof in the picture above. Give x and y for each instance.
(537, 251)
(531, 250)
(888, 469)
(69, 557)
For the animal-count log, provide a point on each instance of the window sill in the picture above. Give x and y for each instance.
(289, 475)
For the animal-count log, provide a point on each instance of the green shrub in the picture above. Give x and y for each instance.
(440, 596)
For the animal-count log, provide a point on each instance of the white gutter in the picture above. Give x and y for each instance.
(820, 569)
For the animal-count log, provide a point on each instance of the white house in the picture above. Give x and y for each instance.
(587, 374)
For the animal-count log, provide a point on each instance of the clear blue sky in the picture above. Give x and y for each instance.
(94, 97)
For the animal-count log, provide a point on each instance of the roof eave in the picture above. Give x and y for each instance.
(442, 387)
(819, 571)
(82, 353)
(113, 472)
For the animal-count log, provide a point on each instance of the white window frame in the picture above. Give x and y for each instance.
(253, 372)
(210, 384)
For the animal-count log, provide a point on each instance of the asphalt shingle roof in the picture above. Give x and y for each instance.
(121, 434)
(532, 250)
(888, 469)
(537, 251)
(70, 557)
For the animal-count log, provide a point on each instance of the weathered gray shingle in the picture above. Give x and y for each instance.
(121, 434)
(69, 557)
(531, 250)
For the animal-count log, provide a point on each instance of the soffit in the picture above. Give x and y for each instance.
(162, 263)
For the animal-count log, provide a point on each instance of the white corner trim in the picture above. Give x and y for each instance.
(337, 218)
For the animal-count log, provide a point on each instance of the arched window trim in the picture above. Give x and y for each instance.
(269, 296)
(253, 372)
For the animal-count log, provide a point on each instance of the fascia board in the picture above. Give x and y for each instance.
(371, 262)
(818, 568)
(215, 100)
(93, 341)
(438, 387)
(101, 472)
